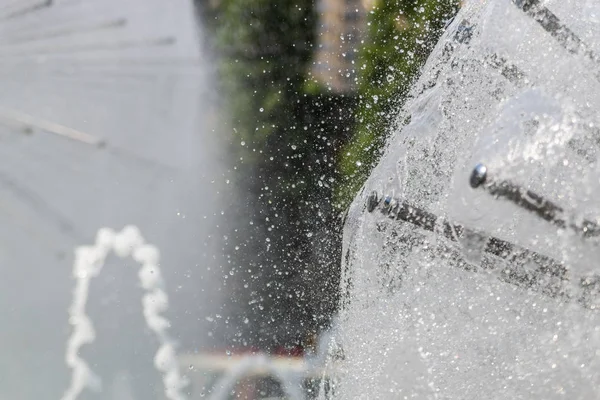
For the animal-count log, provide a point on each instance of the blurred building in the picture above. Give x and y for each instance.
(342, 24)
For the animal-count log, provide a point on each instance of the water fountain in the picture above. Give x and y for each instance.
(89, 261)
(470, 255)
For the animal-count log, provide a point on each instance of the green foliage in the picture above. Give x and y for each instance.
(266, 45)
(285, 250)
(287, 234)
(401, 34)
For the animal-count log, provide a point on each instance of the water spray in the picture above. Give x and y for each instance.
(89, 261)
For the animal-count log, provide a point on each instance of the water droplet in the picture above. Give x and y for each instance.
(261, 109)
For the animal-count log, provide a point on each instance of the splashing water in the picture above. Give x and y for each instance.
(89, 261)
(451, 292)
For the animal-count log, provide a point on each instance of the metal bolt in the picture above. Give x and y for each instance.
(478, 176)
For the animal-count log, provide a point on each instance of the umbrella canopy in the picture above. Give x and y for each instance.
(484, 289)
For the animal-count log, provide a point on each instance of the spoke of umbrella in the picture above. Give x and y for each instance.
(403, 211)
(550, 277)
(530, 201)
(555, 27)
(518, 78)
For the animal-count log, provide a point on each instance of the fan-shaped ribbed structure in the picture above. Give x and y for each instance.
(477, 288)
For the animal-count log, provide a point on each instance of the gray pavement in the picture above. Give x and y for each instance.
(130, 76)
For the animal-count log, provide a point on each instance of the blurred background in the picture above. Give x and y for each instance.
(233, 134)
